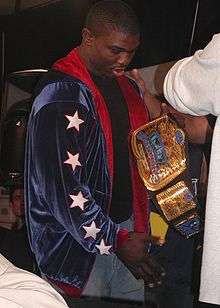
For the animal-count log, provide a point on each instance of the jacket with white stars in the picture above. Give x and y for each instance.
(68, 176)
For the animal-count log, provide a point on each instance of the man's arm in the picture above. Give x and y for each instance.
(19, 288)
(67, 158)
(196, 128)
(192, 84)
(67, 148)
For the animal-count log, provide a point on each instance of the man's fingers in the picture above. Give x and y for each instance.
(139, 273)
(150, 281)
(152, 271)
(148, 270)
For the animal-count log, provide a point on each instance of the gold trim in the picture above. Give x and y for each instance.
(176, 154)
(176, 201)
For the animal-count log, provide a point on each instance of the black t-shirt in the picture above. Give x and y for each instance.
(121, 204)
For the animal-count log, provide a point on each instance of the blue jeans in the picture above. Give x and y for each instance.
(110, 278)
(176, 258)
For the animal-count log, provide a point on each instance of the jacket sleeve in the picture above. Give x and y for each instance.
(192, 84)
(66, 144)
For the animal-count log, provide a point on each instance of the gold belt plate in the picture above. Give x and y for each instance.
(176, 200)
(159, 148)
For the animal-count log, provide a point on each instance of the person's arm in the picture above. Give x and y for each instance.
(192, 84)
(65, 138)
(196, 128)
(19, 288)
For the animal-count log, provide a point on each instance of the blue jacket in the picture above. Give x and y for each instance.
(67, 181)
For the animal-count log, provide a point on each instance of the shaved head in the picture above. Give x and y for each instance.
(115, 15)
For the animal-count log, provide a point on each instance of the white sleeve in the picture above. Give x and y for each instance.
(19, 288)
(192, 84)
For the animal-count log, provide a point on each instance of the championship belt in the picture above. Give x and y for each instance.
(160, 148)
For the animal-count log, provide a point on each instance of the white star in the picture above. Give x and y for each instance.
(104, 249)
(73, 160)
(91, 231)
(78, 200)
(74, 121)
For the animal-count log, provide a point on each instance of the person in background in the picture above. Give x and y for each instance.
(192, 86)
(16, 198)
(15, 244)
(87, 208)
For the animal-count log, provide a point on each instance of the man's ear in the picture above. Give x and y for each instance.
(87, 37)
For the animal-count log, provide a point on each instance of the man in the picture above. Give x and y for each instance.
(14, 244)
(16, 198)
(19, 288)
(85, 200)
(192, 86)
(177, 255)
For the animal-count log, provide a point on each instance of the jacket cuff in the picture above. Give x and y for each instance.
(122, 237)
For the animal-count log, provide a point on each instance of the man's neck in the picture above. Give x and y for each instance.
(84, 55)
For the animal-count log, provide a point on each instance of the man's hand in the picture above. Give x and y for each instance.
(133, 253)
(197, 128)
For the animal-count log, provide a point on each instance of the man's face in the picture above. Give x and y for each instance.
(17, 202)
(111, 52)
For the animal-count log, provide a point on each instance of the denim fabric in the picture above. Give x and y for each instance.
(110, 278)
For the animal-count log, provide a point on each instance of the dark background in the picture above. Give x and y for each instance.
(36, 37)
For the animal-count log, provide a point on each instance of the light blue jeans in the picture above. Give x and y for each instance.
(111, 279)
